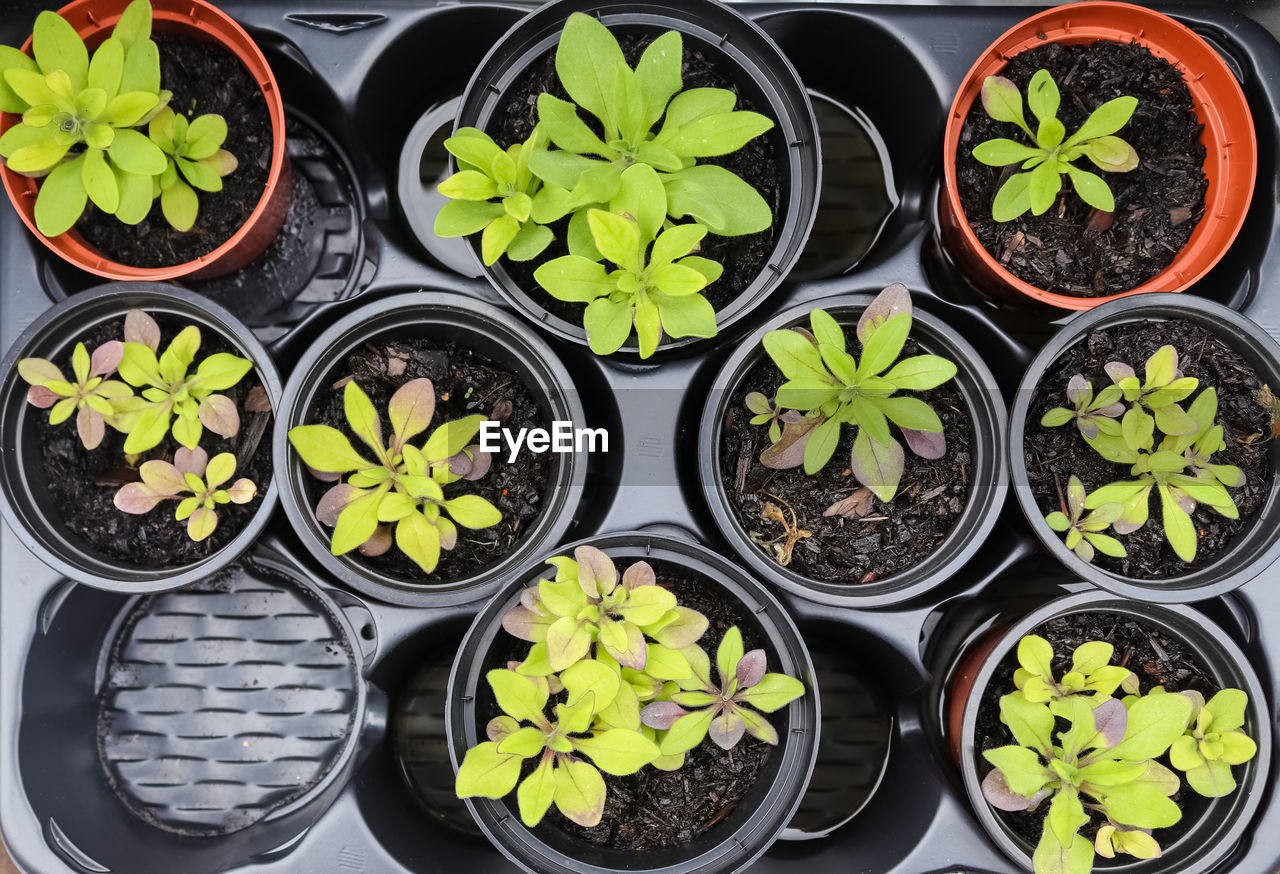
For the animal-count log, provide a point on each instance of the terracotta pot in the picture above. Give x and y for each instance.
(1230, 144)
(93, 20)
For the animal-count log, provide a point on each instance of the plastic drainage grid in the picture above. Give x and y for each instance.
(363, 74)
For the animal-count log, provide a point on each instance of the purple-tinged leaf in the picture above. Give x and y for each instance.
(1110, 718)
(141, 328)
(661, 715)
(806, 333)
(1079, 390)
(596, 572)
(448, 533)
(877, 467)
(39, 396)
(480, 463)
(1111, 411)
(334, 501)
(639, 574)
(1088, 427)
(925, 444)
(685, 630)
(855, 506)
(501, 726)
(192, 461)
(998, 794)
(38, 371)
(525, 624)
(727, 729)
(410, 410)
(788, 452)
(106, 358)
(325, 476)
(163, 478)
(759, 404)
(378, 543)
(1185, 502)
(137, 498)
(751, 668)
(90, 426)
(1118, 371)
(893, 300)
(460, 464)
(529, 598)
(242, 491)
(218, 413)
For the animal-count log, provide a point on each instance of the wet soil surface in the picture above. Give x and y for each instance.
(204, 78)
(1054, 454)
(1158, 658)
(756, 163)
(466, 384)
(889, 538)
(83, 483)
(1073, 249)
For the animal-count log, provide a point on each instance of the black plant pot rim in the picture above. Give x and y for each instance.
(989, 477)
(535, 360)
(1187, 624)
(759, 60)
(51, 545)
(1257, 547)
(799, 751)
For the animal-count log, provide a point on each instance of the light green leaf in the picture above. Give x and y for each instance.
(537, 792)
(591, 68)
(487, 773)
(617, 751)
(62, 198)
(57, 46)
(717, 198)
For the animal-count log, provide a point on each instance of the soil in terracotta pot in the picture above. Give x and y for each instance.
(204, 78)
(1158, 658)
(1054, 454)
(83, 483)
(887, 538)
(466, 383)
(1073, 249)
(653, 809)
(742, 257)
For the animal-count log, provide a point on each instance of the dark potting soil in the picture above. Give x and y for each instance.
(83, 483)
(1158, 658)
(204, 78)
(466, 383)
(1054, 454)
(891, 537)
(1073, 249)
(756, 163)
(652, 809)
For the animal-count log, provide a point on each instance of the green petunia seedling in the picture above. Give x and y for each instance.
(767, 412)
(195, 481)
(1213, 742)
(1084, 532)
(194, 158)
(1092, 414)
(93, 397)
(1052, 153)
(79, 115)
(170, 392)
(833, 388)
(404, 484)
(657, 281)
(1154, 399)
(570, 751)
(723, 711)
(1092, 676)
(635, 621)
(627, 105)
(493, 191)
(1108, 754)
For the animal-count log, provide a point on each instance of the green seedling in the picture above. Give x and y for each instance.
(404, 484)
(170, 392)
(194, 158)
(726, 710)
(1092, 676)
(766, 412)
(1160, 392)
(92, 397)
(1107, 755)
(1084, 532)
(493, 191)
(195, 481)
(79, 115)
(1092, 414)
(657, 281)
(627, 105)
(833, 388)
(1213, 742)
(570, 751)
(587, 604)
(1051, 153)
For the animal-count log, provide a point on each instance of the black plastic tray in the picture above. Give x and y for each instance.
(365, 73)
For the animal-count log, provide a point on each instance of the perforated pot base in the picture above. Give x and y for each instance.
(224, 702)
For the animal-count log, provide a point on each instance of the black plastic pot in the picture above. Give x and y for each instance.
(732, 844)
(25, 499)
(1257, 546)
(163, 750)
(1214, 835)
(759, 69)
(442, 317)
(988, 477)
